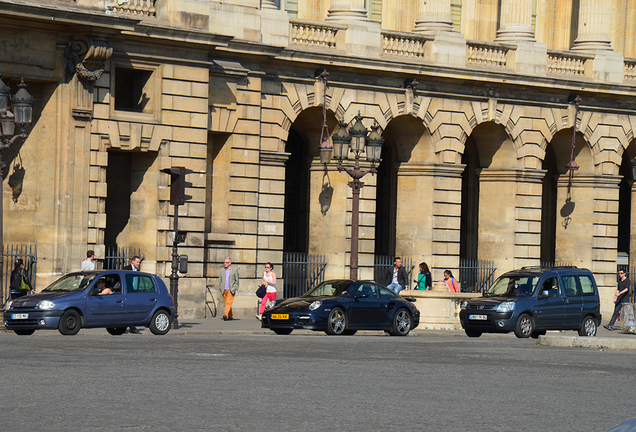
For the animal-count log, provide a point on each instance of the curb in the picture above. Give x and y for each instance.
(589, 342)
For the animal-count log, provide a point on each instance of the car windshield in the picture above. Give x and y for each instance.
(333, 288)
(513, 286)
(72, 282)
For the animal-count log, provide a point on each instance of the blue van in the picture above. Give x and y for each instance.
(532, 300)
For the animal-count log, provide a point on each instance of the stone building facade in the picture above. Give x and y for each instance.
(475, 153)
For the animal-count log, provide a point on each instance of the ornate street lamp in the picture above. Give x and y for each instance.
(16, 110)
(357, 139)
(572, 165)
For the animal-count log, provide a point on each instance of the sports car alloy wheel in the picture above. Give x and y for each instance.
(401, 323)
(337, 322)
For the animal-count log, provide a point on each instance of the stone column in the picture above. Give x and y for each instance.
(594, 26)
(434, 17)
(515, 21)
(587, 217)
(347, 10)
(510, 217)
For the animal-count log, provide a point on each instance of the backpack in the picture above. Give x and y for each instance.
(23, 285)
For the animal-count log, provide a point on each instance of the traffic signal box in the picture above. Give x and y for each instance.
(178, 185)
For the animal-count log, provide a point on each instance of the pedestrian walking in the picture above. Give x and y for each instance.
(20, 283)
(620, 296)
(228, 285)
(135, 264)
(450, 281)
(88, 263)
(269, 280)
(396, 278)
(424, 279)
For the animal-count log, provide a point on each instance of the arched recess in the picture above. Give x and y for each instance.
(548, 206)
(403, 145)
(302, 147)
(627, 205)
(490, 205)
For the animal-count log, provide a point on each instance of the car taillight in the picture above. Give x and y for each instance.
(172, 299)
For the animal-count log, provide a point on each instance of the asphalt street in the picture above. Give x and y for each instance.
(242, 382)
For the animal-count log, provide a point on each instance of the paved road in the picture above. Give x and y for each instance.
(95, 382)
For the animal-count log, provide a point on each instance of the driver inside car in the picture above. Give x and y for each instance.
(104, 287)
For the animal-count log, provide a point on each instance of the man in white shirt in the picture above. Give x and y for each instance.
(88, 263)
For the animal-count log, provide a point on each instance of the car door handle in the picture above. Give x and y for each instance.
(383, 304)
(119, 301)
(153, 299)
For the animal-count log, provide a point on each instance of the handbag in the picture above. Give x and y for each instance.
(261, 291)
(23, 285)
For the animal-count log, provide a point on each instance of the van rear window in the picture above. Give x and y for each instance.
(586, 285)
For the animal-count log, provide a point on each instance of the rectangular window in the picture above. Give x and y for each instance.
(139, 284)
(132, 91)
(571, 286)
(375, 11)
(291, 7)
(587, 286)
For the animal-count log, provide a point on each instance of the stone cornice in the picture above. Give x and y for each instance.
(511, 175)
(430, 169)
(63, 16)
(596, 181)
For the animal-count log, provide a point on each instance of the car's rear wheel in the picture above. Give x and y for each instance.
(282, 331)
(70, 323)
(524, 327)
(24, 332)
(401, 323)
(116, 331)
(472, 333)
(160, 323)
(337, 322)
(588, 328)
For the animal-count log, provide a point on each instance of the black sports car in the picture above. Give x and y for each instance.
(342, 307)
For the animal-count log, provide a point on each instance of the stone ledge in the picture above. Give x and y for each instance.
(589, 342)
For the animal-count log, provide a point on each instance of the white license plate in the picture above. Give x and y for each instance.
(478, 317)
(19, 316)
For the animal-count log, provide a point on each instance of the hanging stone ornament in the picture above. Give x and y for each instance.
(86, 57)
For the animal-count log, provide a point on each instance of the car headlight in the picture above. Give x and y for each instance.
(9, 304)
(464, 305)
(45, 304)
(270, 305)
(505, 307)
(315, 305)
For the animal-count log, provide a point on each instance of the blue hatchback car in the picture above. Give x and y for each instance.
(532, 300)
(110, 298)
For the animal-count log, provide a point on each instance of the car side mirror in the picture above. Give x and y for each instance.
(544, 294)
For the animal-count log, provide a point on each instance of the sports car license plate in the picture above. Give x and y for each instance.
(19, 316)
(477, 317)
(280, 316)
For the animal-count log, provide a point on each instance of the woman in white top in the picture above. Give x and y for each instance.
(269, 279)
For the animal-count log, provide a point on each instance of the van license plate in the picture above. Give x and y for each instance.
(478, 317)
(19, 316)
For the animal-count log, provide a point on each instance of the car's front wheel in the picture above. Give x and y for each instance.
(24, 332)
(401, 323)
(116, 331)
(588, 328)
(282, 331)
(337, 322)
(160, 323)
(524, 327)
(70, 323)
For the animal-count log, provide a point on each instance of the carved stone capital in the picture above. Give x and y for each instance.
(86, 57)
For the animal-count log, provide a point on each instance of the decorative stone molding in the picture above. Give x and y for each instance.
(86, 57)
(133, 136)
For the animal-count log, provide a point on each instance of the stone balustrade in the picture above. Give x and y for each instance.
(439, 308)
(136, 8)
(561, 63)
(630, 69)
(403, 44)
(485, 54)
(315, 34)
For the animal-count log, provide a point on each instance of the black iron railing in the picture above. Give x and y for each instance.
(302, 272)
(476, 275)
(117, 258)
(384, 263)
(12, 252)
